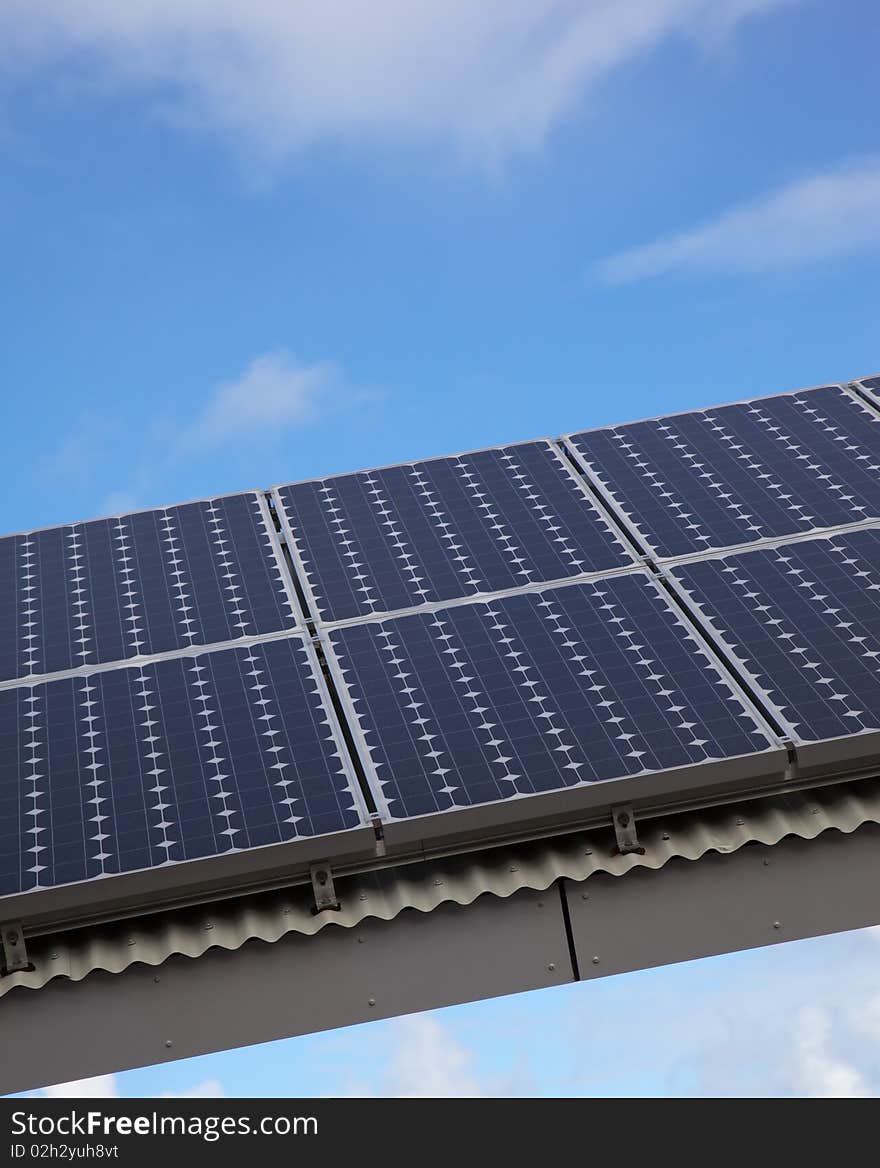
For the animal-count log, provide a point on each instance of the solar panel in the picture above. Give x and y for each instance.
(557, 690)
(391, 539)
(722, 477)
(804, 620)
(140, 584)
(197, 756)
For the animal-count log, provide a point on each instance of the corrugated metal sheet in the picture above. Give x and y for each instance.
(458, 879)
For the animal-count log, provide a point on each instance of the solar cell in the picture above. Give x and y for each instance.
(555, 690)
(121, 770)
(804, 620)
(727, 476)
(139, 584)
(402, 536)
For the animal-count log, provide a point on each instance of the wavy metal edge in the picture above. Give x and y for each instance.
(460, 879)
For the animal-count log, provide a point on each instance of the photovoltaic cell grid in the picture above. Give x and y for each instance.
(395, 538)
(716, 478)
(804, 619)
(173, 760)
(533, 693)
(139, 584)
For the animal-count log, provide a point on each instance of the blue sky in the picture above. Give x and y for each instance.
(246, 243)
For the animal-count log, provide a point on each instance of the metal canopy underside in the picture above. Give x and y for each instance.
(440, 933)
(428, 662)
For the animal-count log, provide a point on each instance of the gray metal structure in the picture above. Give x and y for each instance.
(397, 917)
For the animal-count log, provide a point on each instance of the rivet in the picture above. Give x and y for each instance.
(157, 979)
(206, 926)
(438, 882)
(540, 904)
(766, 863)
(588, 852)
(585, 896)
(777, 925)
(371, 1002)
(595, 960)
(286, 912)
(168, 1042)
(740, 822)
(666, 835)
(131, 941)
(360, 940)
(551, 966)
(514, 867)
(363, 896)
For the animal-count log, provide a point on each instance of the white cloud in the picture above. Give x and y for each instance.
(274, 393)
(827, 216)
(101, 1087)
(493, 76)
(820, 1072)
(429, 1062)
(209, 1089)
(422, 1058)
(107, 1087)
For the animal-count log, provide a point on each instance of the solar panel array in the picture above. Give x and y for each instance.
(454, 643)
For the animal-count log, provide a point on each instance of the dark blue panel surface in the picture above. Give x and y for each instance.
(173, 760)
(536, 692)
(805, 620)
(768, 468)
(450, 527)
(138, 584)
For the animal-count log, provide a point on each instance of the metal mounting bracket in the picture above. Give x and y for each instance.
(625, 830)
(15, 958)
(323, 889)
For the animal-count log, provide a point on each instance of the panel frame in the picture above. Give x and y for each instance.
(641, 540)
(150, 887)
(570, 805)
(595, 503)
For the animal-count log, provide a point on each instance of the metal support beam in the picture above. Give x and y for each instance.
(758, 895)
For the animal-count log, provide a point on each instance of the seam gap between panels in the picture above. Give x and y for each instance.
(864, 398)
(768, 543)
(606, 505)
(348, 737)
(345, 729)
(289, 564)
(727, 666)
